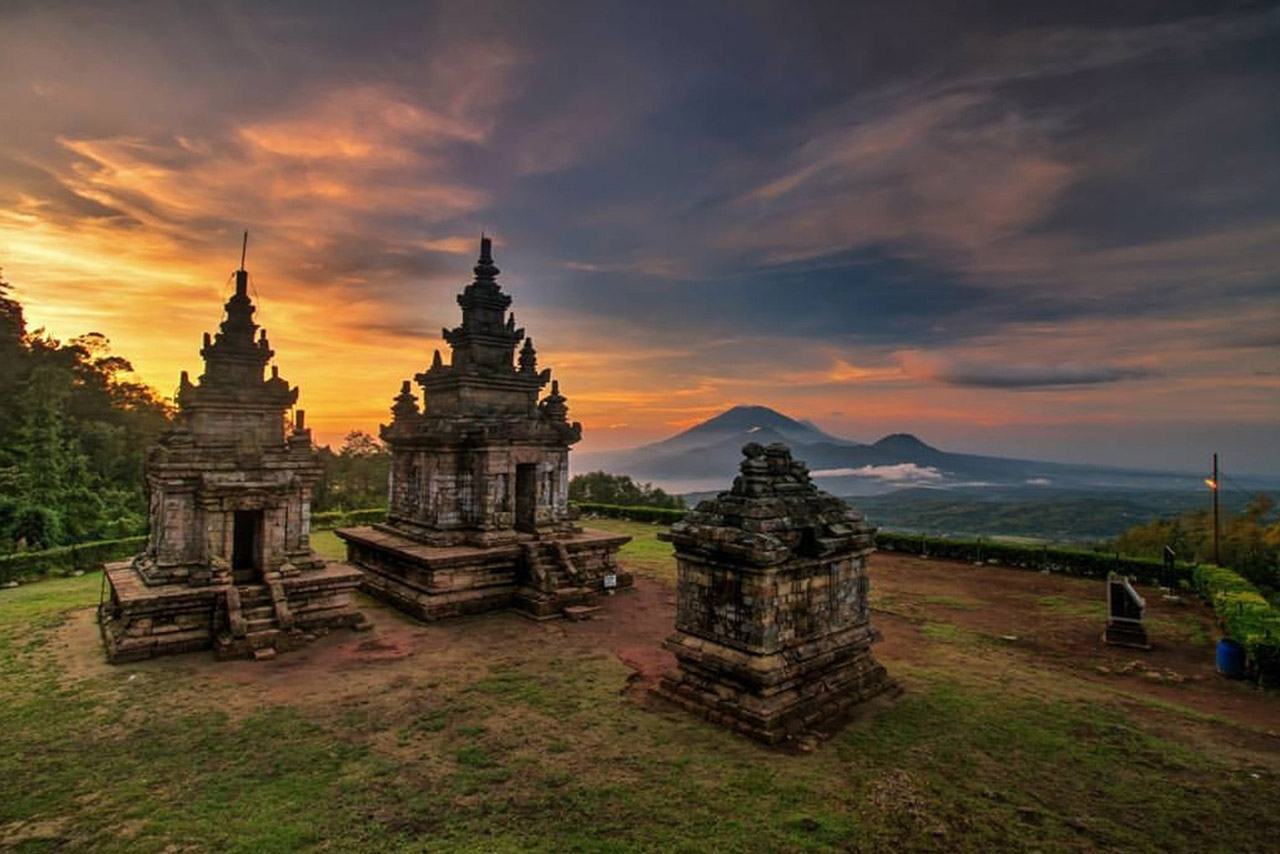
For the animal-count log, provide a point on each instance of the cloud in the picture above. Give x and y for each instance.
(1037, 376)
(898, 473)
(912, 220)
(949, 174)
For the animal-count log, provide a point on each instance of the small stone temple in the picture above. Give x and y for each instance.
(228, 563)
(773, 631)
(478, 514)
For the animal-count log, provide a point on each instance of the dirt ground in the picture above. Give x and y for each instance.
(984, 615)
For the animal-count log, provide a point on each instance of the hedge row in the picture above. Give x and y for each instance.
(1079, 562)
(665, 515)
(1247, 616)
(90, 556)
(85, 557)
(344, 518)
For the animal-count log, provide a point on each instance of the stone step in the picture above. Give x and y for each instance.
(258, 612)
(579, 612)
(262, 624)
(573, 592)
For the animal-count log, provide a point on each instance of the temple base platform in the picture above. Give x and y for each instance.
(779, 697)
(140, 621)
(539, 577)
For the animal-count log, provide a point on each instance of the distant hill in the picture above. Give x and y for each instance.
(706, 457)
(1060, 515)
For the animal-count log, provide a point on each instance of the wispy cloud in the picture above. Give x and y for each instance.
(988, 230)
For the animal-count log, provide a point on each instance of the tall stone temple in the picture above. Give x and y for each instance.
(478, 513)
(228, 563)
(773, 623)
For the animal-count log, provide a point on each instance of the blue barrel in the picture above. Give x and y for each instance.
(1230, 659)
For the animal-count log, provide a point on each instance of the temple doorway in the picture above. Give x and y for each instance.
(526, 496)
(246, 549)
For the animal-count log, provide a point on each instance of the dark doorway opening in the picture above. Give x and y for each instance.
(246, 548)
(526, 496)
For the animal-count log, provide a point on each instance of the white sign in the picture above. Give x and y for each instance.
(610, 581)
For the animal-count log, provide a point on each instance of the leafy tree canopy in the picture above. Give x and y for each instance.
(356, 476)
(74, 432)
(1248, 541)
(602, 488)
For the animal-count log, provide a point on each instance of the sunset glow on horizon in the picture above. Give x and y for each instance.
(1048, 234)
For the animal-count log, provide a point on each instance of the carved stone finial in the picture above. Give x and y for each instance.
(528, 358)
(406, 405)
(485, 269)
(555, 406)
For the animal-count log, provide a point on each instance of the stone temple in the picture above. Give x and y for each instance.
(228, 563)
(773, 633)
(478, 514)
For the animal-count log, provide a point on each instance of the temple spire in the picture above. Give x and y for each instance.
(485, 269)
(242, 276)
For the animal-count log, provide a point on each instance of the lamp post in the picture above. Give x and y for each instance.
(1213, 485)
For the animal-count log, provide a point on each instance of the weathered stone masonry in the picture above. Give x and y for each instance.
(773, 632)
(228, 562)
(478, 514)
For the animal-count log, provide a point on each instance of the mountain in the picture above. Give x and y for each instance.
(706, 457)
(709, 453)
(745, 424)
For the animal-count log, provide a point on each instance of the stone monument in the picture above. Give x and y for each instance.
(1124, 615)
(228, 562)
(773, 633)
(478, 514)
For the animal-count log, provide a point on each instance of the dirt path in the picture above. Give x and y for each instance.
(925, 609)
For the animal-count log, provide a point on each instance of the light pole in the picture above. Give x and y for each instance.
(1213, 485)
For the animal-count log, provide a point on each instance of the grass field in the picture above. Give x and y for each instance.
(496, 734)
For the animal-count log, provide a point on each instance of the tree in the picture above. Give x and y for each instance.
(73, 437)
(356, 476)
(1249, 542)
(599, 487)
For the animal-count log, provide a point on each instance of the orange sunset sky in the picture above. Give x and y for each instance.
(1046, 233)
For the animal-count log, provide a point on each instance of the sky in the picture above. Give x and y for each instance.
(1032, 229)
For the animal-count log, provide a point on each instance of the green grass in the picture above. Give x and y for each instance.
(1073, 607)
(533, 746)
(645, 554)
(327, 545)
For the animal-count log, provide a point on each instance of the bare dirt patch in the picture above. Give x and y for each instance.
(926, 610)
(1056, 623)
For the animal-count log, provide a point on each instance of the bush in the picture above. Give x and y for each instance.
(665, 515)
(85, 557)
(1079, 562)
(330, 519)
(1246, 615)
(365, 517)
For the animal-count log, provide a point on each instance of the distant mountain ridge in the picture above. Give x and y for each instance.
(706, 457)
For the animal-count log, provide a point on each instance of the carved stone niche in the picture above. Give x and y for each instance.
(773, 634)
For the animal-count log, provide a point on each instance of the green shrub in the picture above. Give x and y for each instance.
(1083, 563)
(85, 557)
(365, 517)
(330, 519)
(326, 520)
(665, 515)
(1246, 615)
